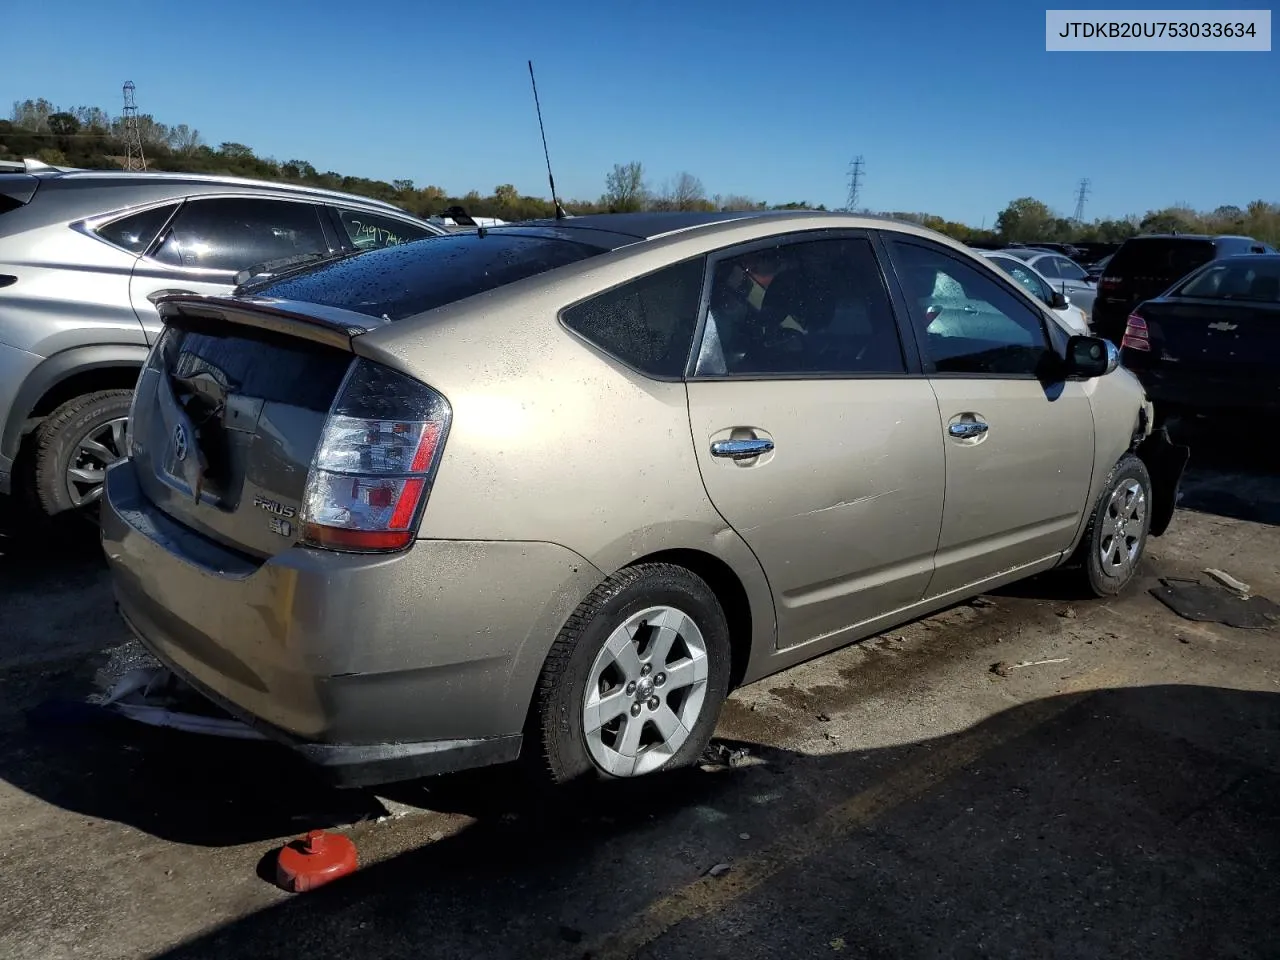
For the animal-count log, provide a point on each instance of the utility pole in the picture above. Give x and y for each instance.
(134, 159)
(855, 185)
(1081, 193)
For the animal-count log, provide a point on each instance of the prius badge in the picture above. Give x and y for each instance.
(281, 515)
(180, 442)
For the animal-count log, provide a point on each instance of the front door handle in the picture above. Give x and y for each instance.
(967, 429)
(741, 449)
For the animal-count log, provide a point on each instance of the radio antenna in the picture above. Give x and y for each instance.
(560, 214)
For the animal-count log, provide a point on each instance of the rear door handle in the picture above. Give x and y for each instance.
(741, 449)
(967, 429)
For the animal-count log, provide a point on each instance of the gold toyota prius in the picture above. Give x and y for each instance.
(553, 489)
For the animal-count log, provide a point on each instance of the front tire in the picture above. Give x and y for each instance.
(634, 682)
(1116, 538)
(74, 446)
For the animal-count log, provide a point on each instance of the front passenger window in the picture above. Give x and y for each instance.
(369, 231)
(970, 323)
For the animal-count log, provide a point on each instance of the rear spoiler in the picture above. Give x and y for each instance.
(18, 187)
(320, 324)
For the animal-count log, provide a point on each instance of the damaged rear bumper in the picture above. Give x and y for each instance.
(374, 668)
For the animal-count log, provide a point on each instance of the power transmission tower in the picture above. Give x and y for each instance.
(1081, 194)
(134, 159)
(855, 185)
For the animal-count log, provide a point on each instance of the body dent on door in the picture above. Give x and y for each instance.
(843, 514)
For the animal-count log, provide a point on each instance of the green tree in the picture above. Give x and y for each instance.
(63, 124)
(624, 188)
(1025, 219)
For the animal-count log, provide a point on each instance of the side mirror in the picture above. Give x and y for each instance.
(1090, 357)
(1059, 300)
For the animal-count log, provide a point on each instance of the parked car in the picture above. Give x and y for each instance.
(1212, 342)
(1096, 269)
(82, 256)
(1076, 320)
(1068, 250)
(1145, 267)
(1089, 252)
(556, 487)
(1066, 275)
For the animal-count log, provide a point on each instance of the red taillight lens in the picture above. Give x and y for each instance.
(1108, 283)
(374, 464)
(1135, 334)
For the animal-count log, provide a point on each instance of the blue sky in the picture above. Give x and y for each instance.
(956, 107)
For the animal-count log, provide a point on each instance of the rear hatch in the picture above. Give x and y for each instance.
(226, 420)
(1146, 267)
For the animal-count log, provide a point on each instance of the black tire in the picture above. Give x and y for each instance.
(556, 720)
(56, 442)
(1108, 579)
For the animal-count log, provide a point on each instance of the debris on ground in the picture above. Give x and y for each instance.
(719, 870)
(982, 602)
(824, 718)
(744, 836)
(1228, 581)
(1210, 603)
(722, 755)
(1068, 613)
(1003, 668)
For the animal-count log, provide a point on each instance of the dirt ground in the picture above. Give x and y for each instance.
(1116, 796)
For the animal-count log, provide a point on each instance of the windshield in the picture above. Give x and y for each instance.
(411, 278)
(1251, 279)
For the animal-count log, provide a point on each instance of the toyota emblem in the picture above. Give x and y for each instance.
(180, 442)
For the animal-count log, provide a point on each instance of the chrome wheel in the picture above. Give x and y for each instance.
(1123, 526)
(645, 692)
(95, 451)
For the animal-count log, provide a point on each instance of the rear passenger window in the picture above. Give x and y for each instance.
(237, 233)
(812, 308)
(136, 231)
(647, 323)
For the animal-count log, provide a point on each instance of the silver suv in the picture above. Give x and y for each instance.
(83, 256)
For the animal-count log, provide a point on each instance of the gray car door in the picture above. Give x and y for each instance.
(211, 239)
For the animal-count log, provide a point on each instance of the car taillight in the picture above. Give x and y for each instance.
(1135, 334)
(1108, 283)
(373, 467)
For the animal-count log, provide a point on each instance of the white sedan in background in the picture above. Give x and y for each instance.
(1075, 319)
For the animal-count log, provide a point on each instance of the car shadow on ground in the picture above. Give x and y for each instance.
(1127, 821)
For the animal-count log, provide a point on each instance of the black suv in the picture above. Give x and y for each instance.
(1145, 267)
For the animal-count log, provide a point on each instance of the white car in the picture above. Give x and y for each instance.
(1075, 319)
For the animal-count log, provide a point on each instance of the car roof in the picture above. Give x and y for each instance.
(614, 230)
(122, 177)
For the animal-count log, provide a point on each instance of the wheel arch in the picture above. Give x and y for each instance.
(70, 373)
(729, 590)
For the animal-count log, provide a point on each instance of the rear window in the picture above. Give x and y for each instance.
(1164, 257)
(1251, 279)
(411, 278)
(647, 323)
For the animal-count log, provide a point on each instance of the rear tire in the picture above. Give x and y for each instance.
(1113, 544)
(610, 702)
(73, 447)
